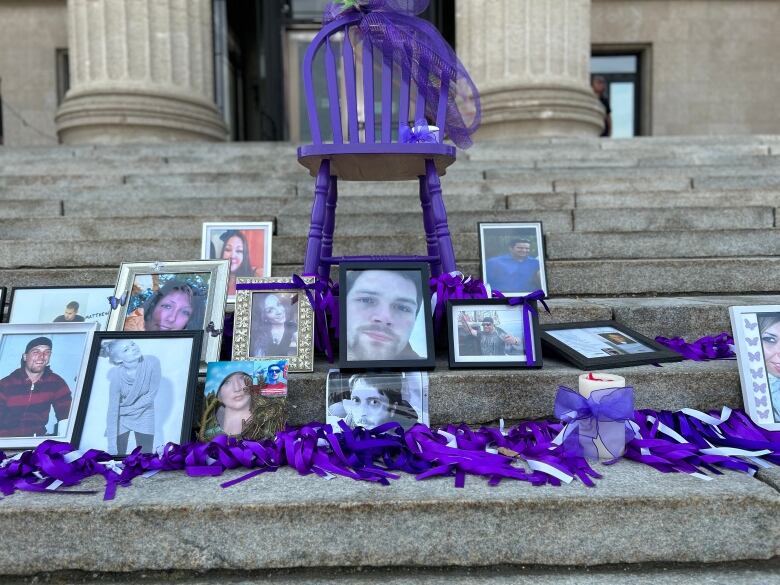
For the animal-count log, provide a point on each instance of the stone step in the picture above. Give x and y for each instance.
(83, 195)
(506, 172)
(634, 515)
(679, 218)
(712, 199)
(663, 244)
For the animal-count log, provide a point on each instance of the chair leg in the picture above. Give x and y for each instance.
(328, 226)
(430, 226)
(446, 253)
(314, 243)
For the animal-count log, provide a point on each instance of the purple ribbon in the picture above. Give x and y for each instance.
(419, 133)
(451, 286)
(703, 349)
(585, 418)
(667, 441)
(322, 299)
(421, 53)
(529, 307)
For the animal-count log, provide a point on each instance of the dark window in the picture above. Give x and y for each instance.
(63, 74)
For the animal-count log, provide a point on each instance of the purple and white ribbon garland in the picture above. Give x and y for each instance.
(687, 441)
(709, 347)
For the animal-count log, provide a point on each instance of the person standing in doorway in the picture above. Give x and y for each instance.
(599, 85)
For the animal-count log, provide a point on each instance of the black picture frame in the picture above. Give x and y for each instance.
(399, 364)
(509, 225)
(13, 296)
(189, 391)
(452, 326)
(658, 354)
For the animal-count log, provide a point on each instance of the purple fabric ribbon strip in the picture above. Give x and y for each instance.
(686, 442)
(423, 55)
(323, 300)
(709, 347)
(529, 307)
(585, 418)
(451, 286)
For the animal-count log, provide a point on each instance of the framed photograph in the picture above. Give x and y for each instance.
(604, 344)
(172, 296)
(234, 392)
(489, 333)
(385, 316)
(42, 373)
(139, 391)
(274, 323)
(375, 398)
(60, 304)
(511, 257)
(246, 245)
(756, 332)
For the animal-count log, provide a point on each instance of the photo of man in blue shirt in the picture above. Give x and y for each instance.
(514, 272)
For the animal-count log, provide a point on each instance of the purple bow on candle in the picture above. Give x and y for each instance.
(584, 418)
(529, 307)
(320, 294)
(703, 349)
(422, 54)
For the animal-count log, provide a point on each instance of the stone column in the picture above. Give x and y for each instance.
(140, 71)
(530, 60)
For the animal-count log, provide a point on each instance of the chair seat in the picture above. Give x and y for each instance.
(377, 162)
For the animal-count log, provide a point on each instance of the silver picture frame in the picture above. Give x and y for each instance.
(129, 297)
(302, 360)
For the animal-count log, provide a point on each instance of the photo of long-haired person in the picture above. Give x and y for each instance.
(372, 399)
(274, 325)
(138, 391)
(769, 328)
(229, 408)
(247, 245)
(175, 306)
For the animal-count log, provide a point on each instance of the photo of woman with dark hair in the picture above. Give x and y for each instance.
(274, 325)
(769, 327)
(236, 249)
(176, 306)
(133, 384)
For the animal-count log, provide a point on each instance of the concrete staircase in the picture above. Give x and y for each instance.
(662, 234)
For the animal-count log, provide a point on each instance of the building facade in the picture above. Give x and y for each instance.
(84, 71)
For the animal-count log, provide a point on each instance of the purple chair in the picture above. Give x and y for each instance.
(373, 156)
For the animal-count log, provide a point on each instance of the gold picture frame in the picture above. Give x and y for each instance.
(294, 340)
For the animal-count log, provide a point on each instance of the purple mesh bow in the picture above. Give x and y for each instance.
(320, 294)
(421, 52)
(703, 349)
(585, 418)
(420, 133)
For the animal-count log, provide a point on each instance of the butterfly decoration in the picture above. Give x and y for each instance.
(751, 340)
(761, 401)
(754, 357)
(759, 373)
(750, 325)
(759, 387)
(762, 414)
(213, 331)
(117, 302)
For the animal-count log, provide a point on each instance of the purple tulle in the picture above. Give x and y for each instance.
(421, 132)
(705, 348)
(688, 442)
(420, 51)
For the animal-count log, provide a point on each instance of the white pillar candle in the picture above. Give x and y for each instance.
(596, 381)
